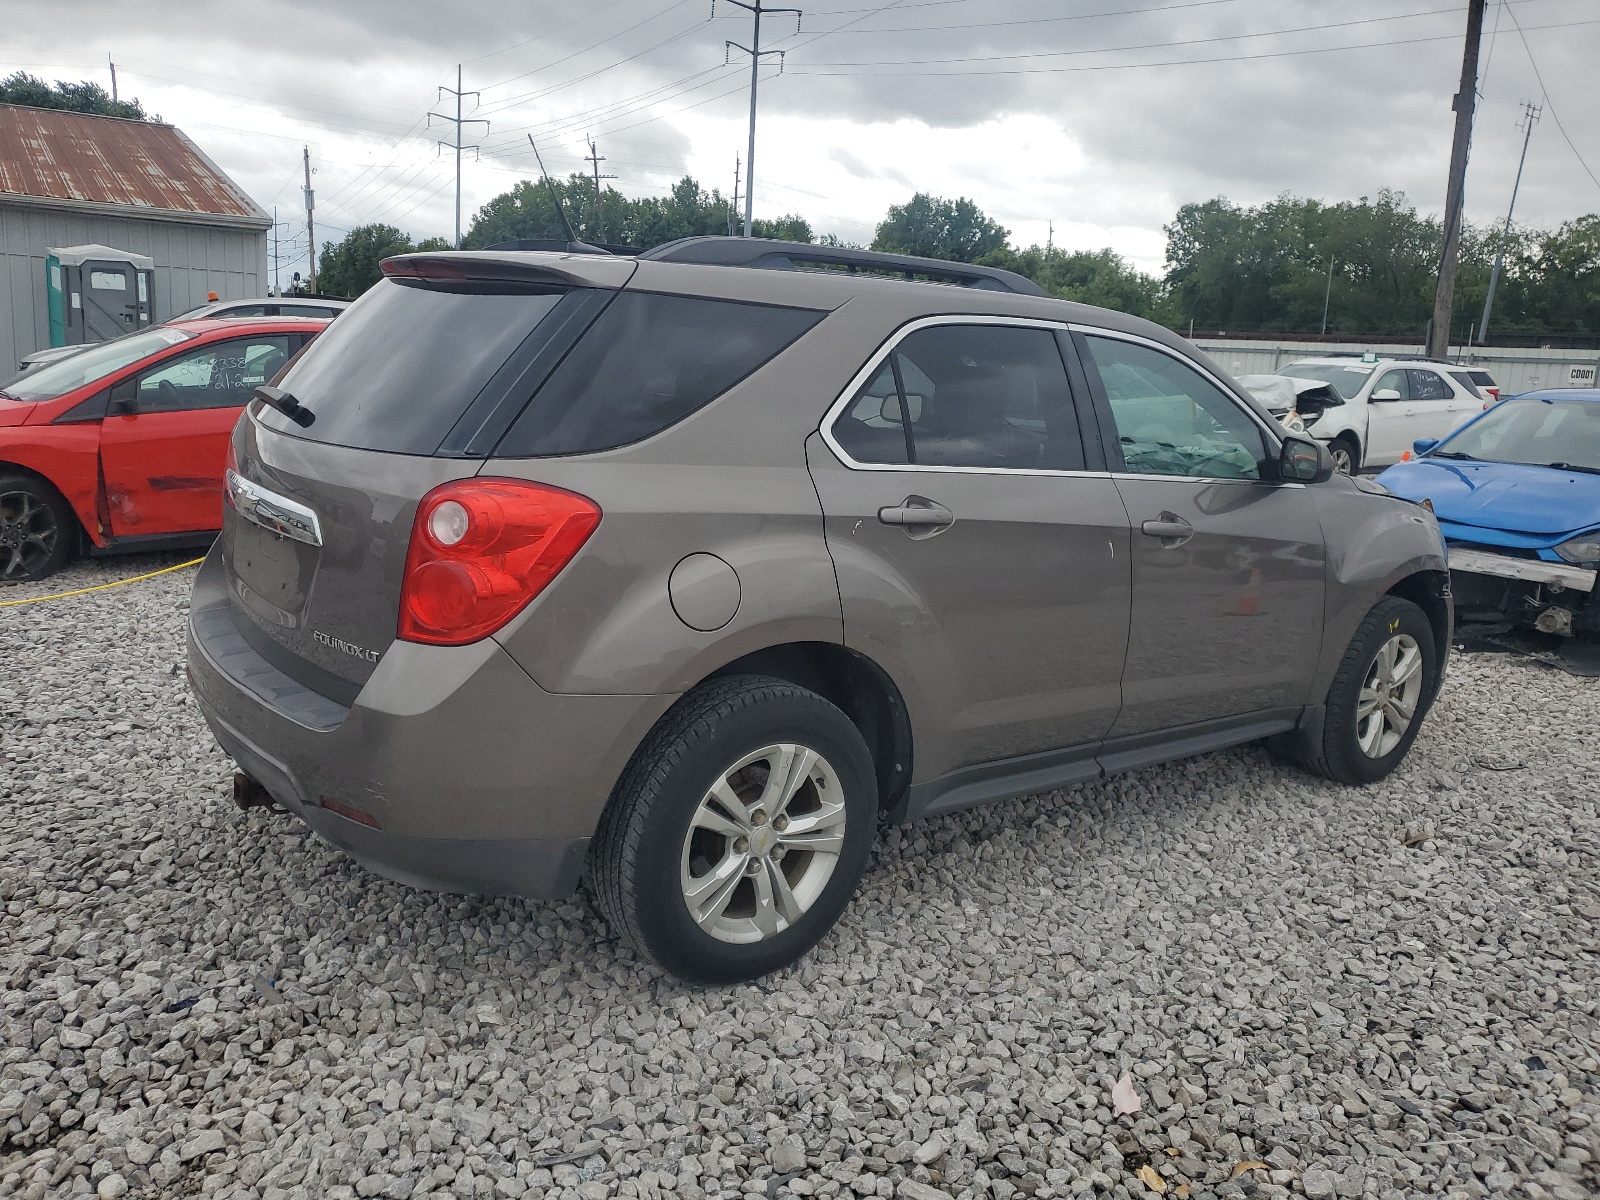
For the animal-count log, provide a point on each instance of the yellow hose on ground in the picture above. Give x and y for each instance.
(101, 587)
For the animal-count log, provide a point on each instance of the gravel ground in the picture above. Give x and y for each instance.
(1376, 993)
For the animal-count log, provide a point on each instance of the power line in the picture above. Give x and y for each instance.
(1179, 62)
(1229, 37)
(1554, 116)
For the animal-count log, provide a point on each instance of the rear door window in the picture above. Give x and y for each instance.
(647, 362)
(400, 366)
(1429, 385)
(985, 396)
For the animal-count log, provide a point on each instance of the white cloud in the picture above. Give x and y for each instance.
(1059, 131)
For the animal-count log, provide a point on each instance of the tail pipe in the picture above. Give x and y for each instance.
(248, 794)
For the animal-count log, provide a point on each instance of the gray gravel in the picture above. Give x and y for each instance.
(1376, 993)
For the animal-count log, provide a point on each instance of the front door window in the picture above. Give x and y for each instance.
(1171, 420)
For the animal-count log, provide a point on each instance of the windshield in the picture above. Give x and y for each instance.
(1346, 380)
(1538, 432)
(59, 378)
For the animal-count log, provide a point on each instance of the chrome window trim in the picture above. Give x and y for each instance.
(277, 514)
(860, 378)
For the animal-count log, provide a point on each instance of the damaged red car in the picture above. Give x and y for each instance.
(121, 446)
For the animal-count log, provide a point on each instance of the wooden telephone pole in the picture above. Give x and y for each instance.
(1464, 104)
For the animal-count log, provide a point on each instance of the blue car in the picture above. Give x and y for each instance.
(1517, 495)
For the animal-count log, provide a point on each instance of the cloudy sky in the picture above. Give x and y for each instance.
(1098, 117)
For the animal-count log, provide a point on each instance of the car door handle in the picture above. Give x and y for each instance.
(1172, 529)
(918, 515)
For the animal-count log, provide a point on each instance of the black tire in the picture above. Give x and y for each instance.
(634, 864)
(1338, 754)
(1346, 453)
(37, 529)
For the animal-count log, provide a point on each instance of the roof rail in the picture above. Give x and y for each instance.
(805, 256)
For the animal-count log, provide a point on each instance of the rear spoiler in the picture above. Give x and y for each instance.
(551, 269)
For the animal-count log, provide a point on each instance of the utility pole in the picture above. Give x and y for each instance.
(595, 159)
(733, 204)
(1530, 117)
(1327, 296)
(756, 53)
(276, 290)
(311, 229)
(1050, 236)
(113, 79)
(1464, 104)
(458, 121)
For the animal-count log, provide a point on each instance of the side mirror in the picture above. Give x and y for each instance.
(889, 410)
(1422, 445)
(1385, 394)
(124, 399)
(1304, 460)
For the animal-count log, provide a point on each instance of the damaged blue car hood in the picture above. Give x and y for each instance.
(1539, 502)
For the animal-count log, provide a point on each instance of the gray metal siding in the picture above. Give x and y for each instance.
(191, 260)
(1515, 370)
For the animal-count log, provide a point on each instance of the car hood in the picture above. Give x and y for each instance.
(1540, 501)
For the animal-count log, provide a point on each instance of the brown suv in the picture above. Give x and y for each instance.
(678, 573)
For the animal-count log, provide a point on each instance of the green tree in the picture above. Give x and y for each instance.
(85, 97)
(526, 212)
(933, 227)
(351, 267)
(1100, 277)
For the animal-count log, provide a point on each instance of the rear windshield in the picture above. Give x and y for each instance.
(400, 366)
(648, 362)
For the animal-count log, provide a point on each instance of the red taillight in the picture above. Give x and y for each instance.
(481, 549)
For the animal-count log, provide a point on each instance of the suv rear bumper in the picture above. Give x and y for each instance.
(452, 771)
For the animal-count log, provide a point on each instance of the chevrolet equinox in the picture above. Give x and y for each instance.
(673, 575)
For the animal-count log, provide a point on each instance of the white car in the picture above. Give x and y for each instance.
(1383, 406)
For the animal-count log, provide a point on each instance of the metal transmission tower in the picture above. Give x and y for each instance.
(757, 10)
(1530, 117)
(595, 159)
(1464, 103)
(458, 121)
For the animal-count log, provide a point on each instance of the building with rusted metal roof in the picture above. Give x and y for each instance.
(74, 179)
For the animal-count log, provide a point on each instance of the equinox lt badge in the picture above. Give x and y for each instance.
(345, 647)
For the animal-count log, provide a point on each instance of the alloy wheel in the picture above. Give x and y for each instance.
(763, 843)
(1389, 696)
(1343, 461)
(28, 534)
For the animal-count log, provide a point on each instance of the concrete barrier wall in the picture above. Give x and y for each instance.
(1515, 370)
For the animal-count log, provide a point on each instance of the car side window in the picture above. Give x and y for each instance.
(1170, 419)
(220, 375)
(983, 396)
(1394, 381)
(1427, 385)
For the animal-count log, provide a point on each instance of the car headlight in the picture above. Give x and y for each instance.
(1585, 549)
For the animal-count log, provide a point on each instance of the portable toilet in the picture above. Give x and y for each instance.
(97, 293)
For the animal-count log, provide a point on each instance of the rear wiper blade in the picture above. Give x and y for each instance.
(285, 403)
(1566, 466)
